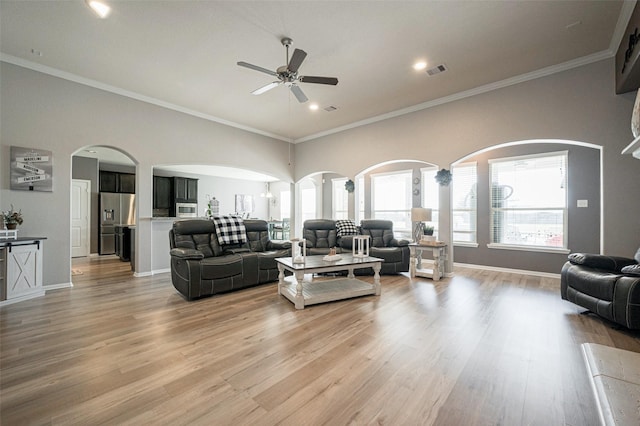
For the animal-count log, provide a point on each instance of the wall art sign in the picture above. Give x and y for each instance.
(31, 169)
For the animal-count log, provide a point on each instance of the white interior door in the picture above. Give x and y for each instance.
(80, 208)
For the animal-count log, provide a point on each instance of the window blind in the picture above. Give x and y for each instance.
(529, 200)
(464, 202)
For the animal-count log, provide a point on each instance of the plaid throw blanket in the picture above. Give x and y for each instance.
(230, 230)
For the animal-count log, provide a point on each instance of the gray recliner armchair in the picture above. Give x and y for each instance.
(608, 286)
(384, 245)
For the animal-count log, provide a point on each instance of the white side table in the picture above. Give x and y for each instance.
(439, 251)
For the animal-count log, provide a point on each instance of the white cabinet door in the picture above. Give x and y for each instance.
(24, 270)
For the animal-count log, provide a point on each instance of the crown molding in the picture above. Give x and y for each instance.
(129, 94)
(543, 72)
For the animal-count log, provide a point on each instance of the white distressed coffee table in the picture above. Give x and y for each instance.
(303, 293)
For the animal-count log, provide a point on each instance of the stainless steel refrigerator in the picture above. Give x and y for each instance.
(115, 209)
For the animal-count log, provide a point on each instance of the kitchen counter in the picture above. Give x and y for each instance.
(8, 242)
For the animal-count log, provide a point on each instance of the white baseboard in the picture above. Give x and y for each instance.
(507, 270)
(33, 295)
(58, 286)
(142, 274)
(160, 271)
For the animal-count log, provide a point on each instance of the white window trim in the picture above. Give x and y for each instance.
(475, 231)
(540, 249)
(333, 197)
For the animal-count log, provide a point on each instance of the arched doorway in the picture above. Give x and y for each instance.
(107, 173)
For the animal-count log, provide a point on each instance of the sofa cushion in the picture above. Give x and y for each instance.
(213, 268)
(598, 261)
(346, 227)
(320, 233)
(633, 270)
(230, 230)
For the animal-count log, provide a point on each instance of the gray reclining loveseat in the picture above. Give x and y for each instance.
(322, 235)
(201, 266)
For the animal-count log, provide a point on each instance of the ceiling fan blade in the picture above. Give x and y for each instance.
(299, 94)
(296, 60)
(318, 80)
(257, 68)
(265, 88)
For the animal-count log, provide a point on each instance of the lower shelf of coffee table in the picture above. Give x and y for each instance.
(326, 291)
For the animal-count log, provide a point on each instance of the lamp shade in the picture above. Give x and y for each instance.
(419, 214)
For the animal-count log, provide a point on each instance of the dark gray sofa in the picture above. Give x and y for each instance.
(321, 236)
(605, 285)
(200, 266)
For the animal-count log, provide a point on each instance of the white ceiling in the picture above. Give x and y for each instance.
(183, 54)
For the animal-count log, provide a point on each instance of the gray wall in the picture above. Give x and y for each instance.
(39, 110)
(575, 105)
(583, 223)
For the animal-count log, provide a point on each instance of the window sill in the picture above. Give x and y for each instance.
(461, 244)
(529, 248)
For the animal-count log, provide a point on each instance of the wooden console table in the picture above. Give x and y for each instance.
(439, 251)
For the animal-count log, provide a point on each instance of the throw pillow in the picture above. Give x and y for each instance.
(230, 230)
(633, 270)
(346, 227)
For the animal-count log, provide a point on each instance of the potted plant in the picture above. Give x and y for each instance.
(12, 218)
(427, 230)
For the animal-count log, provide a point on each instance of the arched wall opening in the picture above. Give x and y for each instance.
(584, 211)
(87, 164)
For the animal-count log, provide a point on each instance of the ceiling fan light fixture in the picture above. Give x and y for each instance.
(99, 8)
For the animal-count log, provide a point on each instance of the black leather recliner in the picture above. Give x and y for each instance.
(321, 236)
(200, 266)
(606, 285)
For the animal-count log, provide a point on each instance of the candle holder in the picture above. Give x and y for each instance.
(298, 250)
(360, 246)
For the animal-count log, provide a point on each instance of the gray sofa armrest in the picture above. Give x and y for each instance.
(598, 261)
(187, 254)
(278, 245)
(398, 243)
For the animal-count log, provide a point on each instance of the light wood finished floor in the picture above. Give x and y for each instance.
(482, 348)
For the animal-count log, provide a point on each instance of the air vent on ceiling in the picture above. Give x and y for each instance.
(330, 108)
(436, 70)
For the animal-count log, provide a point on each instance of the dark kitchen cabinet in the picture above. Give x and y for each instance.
(117, 182)
(162, 193)
(185, 190)
(108, 181)
(127, 183)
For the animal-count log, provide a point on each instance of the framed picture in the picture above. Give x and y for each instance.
(244, 203)
(31, 169)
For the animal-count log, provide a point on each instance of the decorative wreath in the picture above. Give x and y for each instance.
(349, 186)
(443, 177)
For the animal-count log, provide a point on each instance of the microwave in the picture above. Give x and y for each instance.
(186, 209)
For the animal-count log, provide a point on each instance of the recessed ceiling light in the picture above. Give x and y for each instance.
(313, 107)
(100, 8)
(418, 66)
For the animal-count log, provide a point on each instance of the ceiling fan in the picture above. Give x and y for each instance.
(288, 74)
